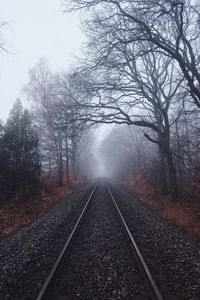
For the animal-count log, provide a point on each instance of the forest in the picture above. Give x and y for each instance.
(139, 73)
(100, 149)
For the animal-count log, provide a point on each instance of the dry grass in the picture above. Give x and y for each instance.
(185, 215)
(14, 217)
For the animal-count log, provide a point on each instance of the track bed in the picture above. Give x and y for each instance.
(101, 264)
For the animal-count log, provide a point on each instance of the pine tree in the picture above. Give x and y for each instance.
(19, 157)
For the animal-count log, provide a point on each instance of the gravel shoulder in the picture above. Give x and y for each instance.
(171, 255)
(27, 257)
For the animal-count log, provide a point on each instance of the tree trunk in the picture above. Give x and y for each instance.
(165, 142)
(49, 161)
(74, 164)
(162, 172)
(60, 171)
(67, 157)
(172, 175)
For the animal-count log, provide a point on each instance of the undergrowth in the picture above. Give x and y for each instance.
(14, 216)
(184, 214)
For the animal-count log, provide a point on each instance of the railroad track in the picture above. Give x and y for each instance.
(50, 289)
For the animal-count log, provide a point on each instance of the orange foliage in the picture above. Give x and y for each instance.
(184, 215)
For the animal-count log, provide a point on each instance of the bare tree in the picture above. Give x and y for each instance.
(129, 158)
(139, 91)
(170, 27)
(3, 45)
(60, 131)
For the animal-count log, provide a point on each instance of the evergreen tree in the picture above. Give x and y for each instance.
(19, 157)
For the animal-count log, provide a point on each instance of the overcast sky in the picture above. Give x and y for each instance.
(36, 28)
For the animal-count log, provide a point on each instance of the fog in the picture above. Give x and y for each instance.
(100, 89)
(120, 152)
(34, 29)
(103, 101)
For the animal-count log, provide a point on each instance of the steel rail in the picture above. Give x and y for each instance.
(155, 292)
(60, 258)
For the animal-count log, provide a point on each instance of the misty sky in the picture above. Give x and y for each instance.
(36, 28)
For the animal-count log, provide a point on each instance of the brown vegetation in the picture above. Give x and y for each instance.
(184, 214)
(15, 216)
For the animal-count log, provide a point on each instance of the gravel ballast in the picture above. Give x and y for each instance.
(27, 257)
(173, 257)
(101, 264)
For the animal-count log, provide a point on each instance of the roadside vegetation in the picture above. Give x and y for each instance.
(136, 163)
(35, 173)
(140, 71)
